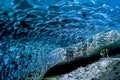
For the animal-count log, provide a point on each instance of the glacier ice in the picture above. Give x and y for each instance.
(33, 32)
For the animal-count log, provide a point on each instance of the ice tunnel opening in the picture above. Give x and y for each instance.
(114, 52)
(67, 67)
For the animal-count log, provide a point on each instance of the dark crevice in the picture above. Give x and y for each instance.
(114, 51)
(67, 67)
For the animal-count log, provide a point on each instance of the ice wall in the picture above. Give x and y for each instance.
(7, 4)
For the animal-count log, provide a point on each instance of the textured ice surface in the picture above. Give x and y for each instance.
(100, 70)
(34, 36)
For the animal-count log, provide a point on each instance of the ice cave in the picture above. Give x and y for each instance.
(59, 39)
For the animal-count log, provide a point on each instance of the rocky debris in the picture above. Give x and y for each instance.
(104, 69)
(113, 71)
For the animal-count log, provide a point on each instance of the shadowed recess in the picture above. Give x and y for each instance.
(67, 67)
